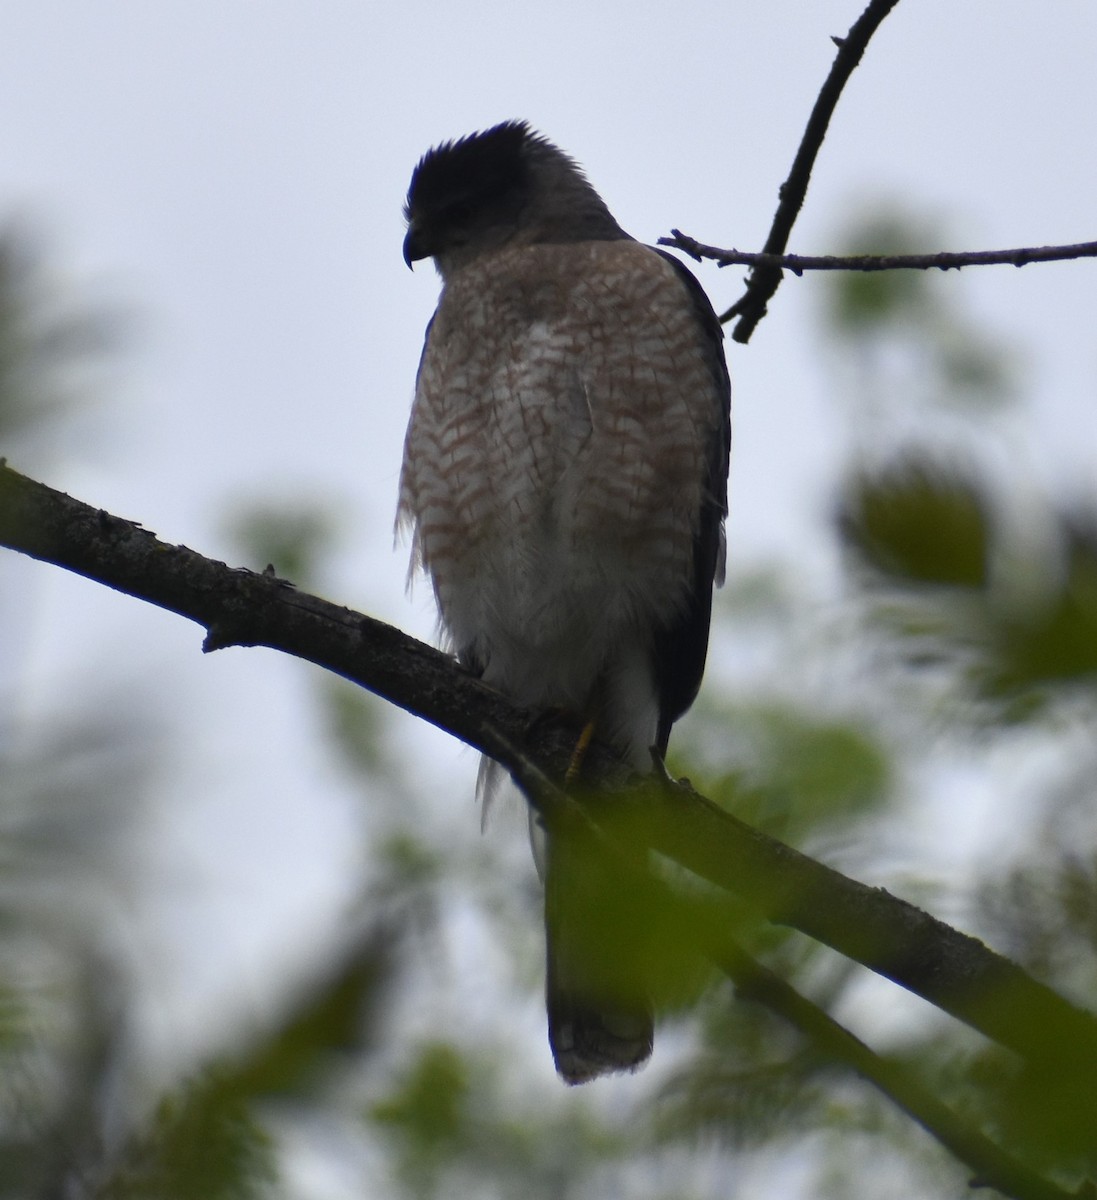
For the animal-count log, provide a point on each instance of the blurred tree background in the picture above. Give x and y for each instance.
(944, 677)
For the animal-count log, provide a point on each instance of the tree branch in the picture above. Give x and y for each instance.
(942, 260)
(993, 1166)
(951, 970)
(764, 279)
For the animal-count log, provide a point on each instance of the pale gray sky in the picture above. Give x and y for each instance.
(233, 172)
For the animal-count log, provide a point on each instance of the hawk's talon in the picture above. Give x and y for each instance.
(659, 763)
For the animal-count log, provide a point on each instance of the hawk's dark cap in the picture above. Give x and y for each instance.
(490, 163)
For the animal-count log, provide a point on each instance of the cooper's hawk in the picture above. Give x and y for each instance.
(565, 482)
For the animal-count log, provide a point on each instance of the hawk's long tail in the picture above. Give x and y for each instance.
(599, 1012)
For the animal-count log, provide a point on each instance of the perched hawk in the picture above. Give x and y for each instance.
(565, 482)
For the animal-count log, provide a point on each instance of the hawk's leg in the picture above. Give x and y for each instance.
(578, 754)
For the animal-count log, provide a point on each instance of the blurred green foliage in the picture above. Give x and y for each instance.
(1048, 640)
(792, 771)
(918, 522)
(1027, 630)
(863, 303)
(50, 343)
(913, 318)
(293, 539)
(203, 1140)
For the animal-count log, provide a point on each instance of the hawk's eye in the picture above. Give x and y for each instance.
(458, 212)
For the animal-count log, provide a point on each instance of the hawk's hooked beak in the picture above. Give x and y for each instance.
(414, 245)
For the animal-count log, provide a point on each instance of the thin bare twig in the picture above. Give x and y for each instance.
(941, 260)
(750, 308)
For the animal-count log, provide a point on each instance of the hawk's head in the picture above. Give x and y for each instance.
(505, 186)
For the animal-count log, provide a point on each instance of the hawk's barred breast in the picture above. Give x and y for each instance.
(556, 459)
